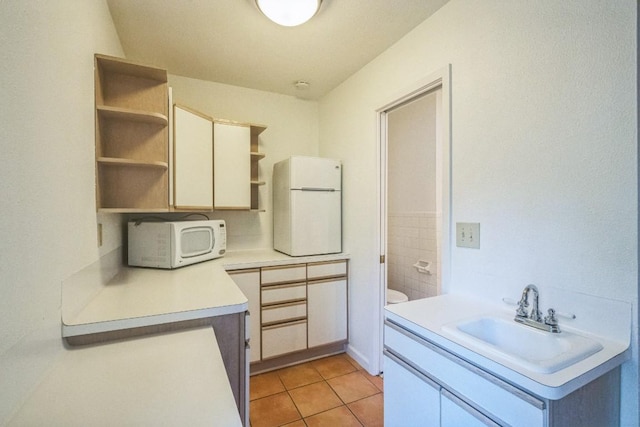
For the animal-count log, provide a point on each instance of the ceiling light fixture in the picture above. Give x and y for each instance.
(289, 13)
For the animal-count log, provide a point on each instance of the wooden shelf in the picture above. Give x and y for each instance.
(117, 113)
(256, 156)
(126, 67)
(111, 161)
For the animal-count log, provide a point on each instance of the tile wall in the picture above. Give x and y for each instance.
(413, 236)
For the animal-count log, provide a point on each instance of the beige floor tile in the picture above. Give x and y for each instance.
(298, 423)
(333, 366)
(299, 375)
(265, 385)
(376, 380)
(314, 398)
(272, 411)
(338, 417)
(369, 411)
(352, 387)
(353, 362)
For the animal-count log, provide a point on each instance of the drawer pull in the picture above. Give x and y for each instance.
(284, 325)
(283, 304)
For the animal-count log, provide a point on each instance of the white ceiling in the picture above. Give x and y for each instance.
(231, 42)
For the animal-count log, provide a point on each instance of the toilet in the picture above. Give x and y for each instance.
(395, 297)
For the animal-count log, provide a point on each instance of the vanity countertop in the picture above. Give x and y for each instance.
(166, 379)
(108, 297)
(427, 317)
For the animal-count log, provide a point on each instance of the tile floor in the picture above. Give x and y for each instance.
(334, 391)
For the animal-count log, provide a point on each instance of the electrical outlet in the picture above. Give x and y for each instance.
(468, 235)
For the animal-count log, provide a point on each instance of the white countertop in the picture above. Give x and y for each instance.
(170, 379)
(134, 297)
(426, 317)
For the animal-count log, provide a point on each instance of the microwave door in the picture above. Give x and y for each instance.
(196, 241)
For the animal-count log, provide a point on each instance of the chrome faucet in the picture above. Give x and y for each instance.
(534, 318)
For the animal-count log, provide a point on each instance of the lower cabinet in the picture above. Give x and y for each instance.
(284, 338)
(295, 307)
(249, 283)
(230, 333)
(327, 314)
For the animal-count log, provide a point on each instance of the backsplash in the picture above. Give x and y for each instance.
(412, 236)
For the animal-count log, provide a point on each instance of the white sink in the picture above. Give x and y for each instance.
(533, 349)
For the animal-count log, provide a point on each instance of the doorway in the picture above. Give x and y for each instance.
(415, 158)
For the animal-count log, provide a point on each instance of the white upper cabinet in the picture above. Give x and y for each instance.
(231, 166)
(193, 160)
(215, 164)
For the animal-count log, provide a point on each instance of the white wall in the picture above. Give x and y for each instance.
(292, 129)
(46, 176)
(544, 152)
(411, 156)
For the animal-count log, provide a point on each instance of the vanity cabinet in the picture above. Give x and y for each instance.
(415, 368)
(132, 136)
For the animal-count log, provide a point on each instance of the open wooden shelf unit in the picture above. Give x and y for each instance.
(132, 158)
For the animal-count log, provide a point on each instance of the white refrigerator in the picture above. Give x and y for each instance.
(307, 206)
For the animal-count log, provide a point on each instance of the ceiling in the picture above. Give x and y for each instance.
(231, 42)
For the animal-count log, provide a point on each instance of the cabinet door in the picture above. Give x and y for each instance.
(231, 166)
(455, 412)
(410, 397)
(193, 173)
(249, 283)
(327, 311)
(285, 338)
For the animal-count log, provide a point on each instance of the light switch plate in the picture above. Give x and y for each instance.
(468, 235)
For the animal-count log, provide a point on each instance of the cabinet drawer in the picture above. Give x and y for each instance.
(282, 339)
(284, 293)
(326, 269)
(488, 394)
(284, 312)
(284, 274)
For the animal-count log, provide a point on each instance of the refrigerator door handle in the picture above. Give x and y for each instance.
(316, 189)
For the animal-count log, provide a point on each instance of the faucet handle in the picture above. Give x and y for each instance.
(551, 318)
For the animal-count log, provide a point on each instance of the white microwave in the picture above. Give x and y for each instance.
(175, 244)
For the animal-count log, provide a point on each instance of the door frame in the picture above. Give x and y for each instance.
(438, 79)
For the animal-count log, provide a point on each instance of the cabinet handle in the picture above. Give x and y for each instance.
(469, 409)
(282, 304)
(340, 278)
(419, 373)
(283, 325)
(282, 285)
